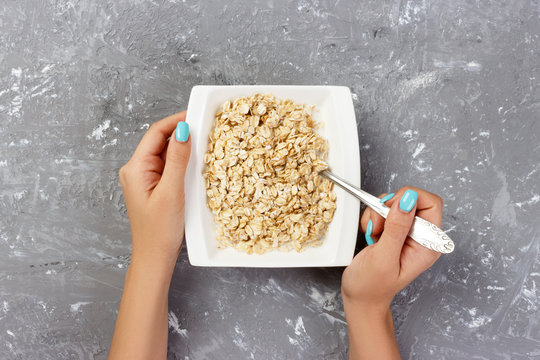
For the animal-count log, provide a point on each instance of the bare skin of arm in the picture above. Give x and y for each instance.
(153, 186)
(381, 270)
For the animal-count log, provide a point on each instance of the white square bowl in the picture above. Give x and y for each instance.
(335, 112)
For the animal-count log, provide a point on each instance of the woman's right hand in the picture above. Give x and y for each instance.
(380, 270)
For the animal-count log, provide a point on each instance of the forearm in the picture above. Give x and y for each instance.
(371, 333)
(141, 327)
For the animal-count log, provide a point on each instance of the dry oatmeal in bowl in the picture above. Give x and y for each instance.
(261, 176)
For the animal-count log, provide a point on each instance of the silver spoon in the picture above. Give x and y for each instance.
(422, 231)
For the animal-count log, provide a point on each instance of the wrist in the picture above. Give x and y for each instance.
(374, 310)
(363, 317)
(371, 331)
(148, 278)
(153, 256)
(155, 265)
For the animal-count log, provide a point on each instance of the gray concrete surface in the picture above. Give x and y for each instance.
(447, 98)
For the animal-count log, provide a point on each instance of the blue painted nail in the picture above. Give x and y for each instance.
(182, 131)
(387, 197)
(408, 200)
(369, 230)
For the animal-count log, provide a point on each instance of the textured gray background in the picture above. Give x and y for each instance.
(447, 97)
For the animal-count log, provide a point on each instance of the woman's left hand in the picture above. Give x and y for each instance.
(153, 186)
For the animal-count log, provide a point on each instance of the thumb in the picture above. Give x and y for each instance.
(177, 157)
(398, 224)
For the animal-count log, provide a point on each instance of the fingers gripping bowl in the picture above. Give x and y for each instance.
(335, 113)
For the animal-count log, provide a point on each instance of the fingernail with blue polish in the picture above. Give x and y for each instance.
(387, 197)
(408, 200)
(182, 131)
(369, 230)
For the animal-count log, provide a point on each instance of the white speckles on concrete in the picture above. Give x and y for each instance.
(76, 307)
(293, 341)
(16, 72)
(419, 148)
(99, 132)
(175, 325)
(409, 134)
(411, 12)
(299, 328)
(535, 199)
(410, 86)
(484, 133)
(113, 142)
(476, 319)
(503, 207)
(472, 66)
(239, 338)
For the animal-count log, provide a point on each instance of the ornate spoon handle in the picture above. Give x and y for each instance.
(422, 231)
